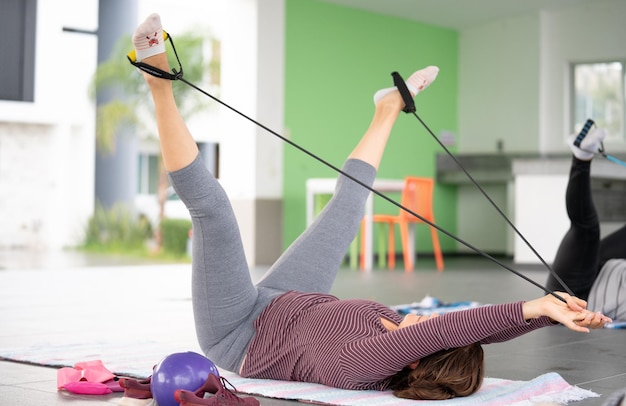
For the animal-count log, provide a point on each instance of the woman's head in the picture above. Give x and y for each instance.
(445, 374)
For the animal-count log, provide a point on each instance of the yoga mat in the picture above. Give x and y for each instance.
(136, 359)
(132, 358)
(547, 388)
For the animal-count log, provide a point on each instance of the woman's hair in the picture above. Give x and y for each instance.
(443, 375)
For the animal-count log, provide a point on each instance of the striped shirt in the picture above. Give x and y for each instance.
(312, 337)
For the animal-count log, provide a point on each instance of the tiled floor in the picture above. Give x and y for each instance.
(62, 299)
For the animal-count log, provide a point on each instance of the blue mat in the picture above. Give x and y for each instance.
(430, 305)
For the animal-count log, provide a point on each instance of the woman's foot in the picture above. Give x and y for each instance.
(590, 144)
(149, 44)
(148, 38)
(417, 82)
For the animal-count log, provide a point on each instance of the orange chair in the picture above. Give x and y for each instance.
(417, 196)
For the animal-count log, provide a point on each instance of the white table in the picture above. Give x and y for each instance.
(315, 186)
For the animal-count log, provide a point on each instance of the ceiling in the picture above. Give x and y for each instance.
(456, 14)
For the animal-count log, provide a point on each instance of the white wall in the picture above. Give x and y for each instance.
(499, 86)
(514, 75)
(270, 98)
(498, 104)
(585, 33)
(514, 78)
(46, 154)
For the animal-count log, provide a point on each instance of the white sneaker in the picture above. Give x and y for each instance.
(591, 143)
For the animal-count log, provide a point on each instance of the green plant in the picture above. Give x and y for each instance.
(175, 233)
(117, 230)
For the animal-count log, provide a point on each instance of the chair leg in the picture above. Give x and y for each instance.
(408, 261)
(437, 249)
(391, 251)
(382, 250)
(410, 245)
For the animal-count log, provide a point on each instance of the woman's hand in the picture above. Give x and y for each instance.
(411, 319)
(572, 314)
(592, 320)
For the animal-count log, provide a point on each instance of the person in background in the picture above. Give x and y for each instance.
(593, 268)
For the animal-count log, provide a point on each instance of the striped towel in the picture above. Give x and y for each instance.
(547, 388)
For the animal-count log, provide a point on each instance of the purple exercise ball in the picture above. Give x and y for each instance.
(181, 370)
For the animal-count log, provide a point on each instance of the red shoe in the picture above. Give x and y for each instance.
(136, 392)
(221, 395)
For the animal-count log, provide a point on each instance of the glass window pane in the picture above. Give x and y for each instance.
(141, 172)
(153, 177)
(148, 174)
(599, 95)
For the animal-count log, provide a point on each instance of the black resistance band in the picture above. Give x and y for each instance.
(409, 108)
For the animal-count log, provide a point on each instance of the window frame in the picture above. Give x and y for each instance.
(25, 50)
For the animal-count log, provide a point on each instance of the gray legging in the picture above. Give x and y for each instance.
(225, 301)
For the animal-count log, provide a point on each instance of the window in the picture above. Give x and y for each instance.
(148, 171)
(211, 154)
(599, 95)
(148, 174)
(17, 47)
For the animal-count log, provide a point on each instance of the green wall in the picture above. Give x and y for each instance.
(336, 58)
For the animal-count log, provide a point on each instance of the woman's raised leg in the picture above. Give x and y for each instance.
(576, 261)
(222, 291)
(311, 263)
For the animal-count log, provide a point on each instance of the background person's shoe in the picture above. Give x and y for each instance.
(588, 145)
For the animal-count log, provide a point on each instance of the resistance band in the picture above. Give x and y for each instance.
(409, 108)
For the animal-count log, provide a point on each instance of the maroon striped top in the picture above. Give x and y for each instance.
(311, 337)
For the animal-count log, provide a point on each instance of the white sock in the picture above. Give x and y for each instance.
(590, 145)
(148, 38)
(417, 82)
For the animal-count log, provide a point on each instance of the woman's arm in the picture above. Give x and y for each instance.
(380, 356)
(377, 357)
(549, 310)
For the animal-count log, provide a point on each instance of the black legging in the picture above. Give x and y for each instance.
(582, 254)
